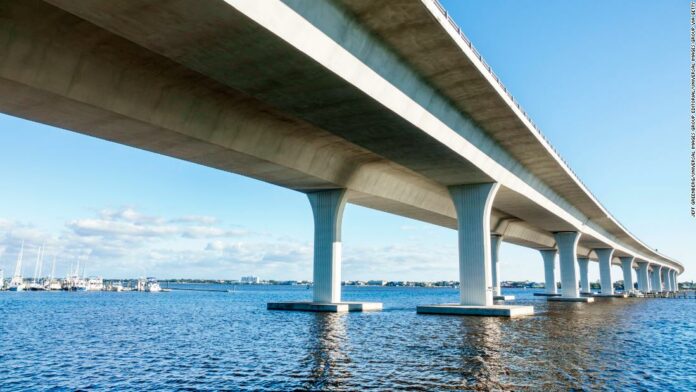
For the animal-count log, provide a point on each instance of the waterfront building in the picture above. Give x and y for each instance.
(250, 279)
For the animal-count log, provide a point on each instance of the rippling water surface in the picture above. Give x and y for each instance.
(214, 340)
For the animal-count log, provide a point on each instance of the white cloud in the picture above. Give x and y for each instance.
(128, 243)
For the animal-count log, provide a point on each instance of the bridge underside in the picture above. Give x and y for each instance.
(208, 85)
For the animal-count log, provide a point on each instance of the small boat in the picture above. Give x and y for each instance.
(54, 285)
(148, 285)
(17, 282)
(74, 283)
(35, 286)
(94, 284)
(152, 286)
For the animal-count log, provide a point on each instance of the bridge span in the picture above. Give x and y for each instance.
(382, 104)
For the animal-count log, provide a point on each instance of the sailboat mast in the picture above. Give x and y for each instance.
(53, 268)
(18, 268)
(41, 262)
(36, 266)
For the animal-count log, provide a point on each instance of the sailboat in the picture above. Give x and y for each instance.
(53, 283)
(73, 282)
(37, 285)
(17, 282)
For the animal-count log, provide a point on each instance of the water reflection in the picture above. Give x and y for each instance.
(480, 344)
(326, 356)
(205, 341)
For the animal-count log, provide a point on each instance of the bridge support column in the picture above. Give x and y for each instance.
(549, 257)
(643, 281)
(670, 277)
(656, 279)
(665, 279)
(473, 203)
(675, 285)
(567, 243)
(496, 240)
(627, 267)
(605, 255)
(583, 265)
(327, 208)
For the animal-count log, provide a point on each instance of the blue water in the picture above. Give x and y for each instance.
(187, 340)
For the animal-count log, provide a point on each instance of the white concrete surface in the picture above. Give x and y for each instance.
(656, 286)
(547, 294)
(325, 306)
(496, 240)
(664, 274)
(614, 295)
(605, 255)
(473, 203)
(567, 242)
(583, 263)
(643, 278)
(327, 208)
(464, 310)
(571, 299)
(549, 257)
(627, 268)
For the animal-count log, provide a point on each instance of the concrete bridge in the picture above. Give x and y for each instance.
(381, 104)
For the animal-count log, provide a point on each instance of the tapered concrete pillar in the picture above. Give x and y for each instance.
(496, 239)
(666, 284)
(567, 243)
(656, 279)
(665, 279)
(327, 208)
(473, 204)
(670, 279)
(627, 267)
(583, 264)
(675, 284)
(549, 256)
(604, 255)
(643, 281)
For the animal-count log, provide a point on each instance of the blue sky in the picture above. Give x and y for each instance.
(607, 83)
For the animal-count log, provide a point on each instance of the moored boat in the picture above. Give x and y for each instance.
(17, 282)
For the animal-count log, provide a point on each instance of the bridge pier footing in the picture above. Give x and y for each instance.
(473, 203)
(327, 208)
